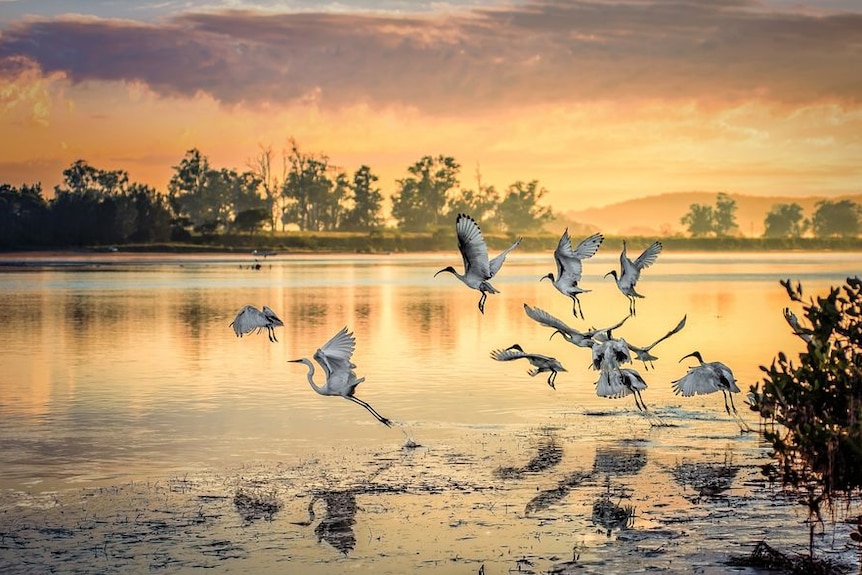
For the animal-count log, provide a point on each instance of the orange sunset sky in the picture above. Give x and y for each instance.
(598, 101)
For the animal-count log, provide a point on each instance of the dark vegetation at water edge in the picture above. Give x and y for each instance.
(444, 240)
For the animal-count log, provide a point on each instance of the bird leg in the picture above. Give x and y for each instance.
(370, 409)
(742, 424)
(576, 305)
(632, 310)
(482, 302)
(271, 332)
(552, 378)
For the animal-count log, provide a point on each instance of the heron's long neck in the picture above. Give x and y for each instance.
(310, 376)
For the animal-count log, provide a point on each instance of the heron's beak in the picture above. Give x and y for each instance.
(609, 274)
(441, 271)
(547, 277)
(294, 360)
(555, 332)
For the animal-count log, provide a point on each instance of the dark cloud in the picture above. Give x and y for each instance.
(518, 55)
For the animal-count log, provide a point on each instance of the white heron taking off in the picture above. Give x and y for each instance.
(570, 268)
(477, 268)
(334, 358)
(709, 377)
(251, 319)
(630, 272)
(541, 363)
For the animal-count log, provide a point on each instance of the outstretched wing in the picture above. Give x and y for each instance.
(247, 320)
(594, 332)
(648, 257)
(793, 321)
(699, 380)
(472, 246)
(678, 327)
(270, 315)
(507, 354)
(548, 320)
(496, 263)
(334, 355)
(569, 266)
(610, 384)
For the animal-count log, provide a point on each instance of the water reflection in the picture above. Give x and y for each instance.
(549, 497)
(617, 460)
(549, 455)
(336, 527)
(707, 479)
(611, 515)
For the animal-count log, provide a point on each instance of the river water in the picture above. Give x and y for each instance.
(121, 370)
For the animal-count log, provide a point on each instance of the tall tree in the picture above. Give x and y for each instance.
(420, 198)
(482, 204)
(270, 182)
(313, 199)
(187, 189)
(699, 220)
(724, 215)
(785, 221)
(367, 202)
(520, 210)
(23, 216)
(839, 218)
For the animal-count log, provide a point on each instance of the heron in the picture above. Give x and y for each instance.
(709, 377)
(630, 272)
(570, 268)
(251, 319)
(477, 268)
(541, 363)
(570, 334)
(643, 353)
(803, 332)
(334, 358)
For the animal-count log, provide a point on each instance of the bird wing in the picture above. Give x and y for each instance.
(496, 263)
(548, 320)
(632, 379)
(699, 380)
(569, 266)
(610, 385)
(678, 327)
(272, 317)
(247, 320)
(472, 246)
(724, 376)
(334, 355)
(507, 354)
(797, 328)
(593, 332)
(648, 257)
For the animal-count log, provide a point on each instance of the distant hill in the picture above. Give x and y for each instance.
(660, 215)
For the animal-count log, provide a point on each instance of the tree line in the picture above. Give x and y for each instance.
(307, 192)
(841, 218)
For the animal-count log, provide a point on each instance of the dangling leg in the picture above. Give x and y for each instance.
(552, 378)
(482, 302)
(576, 305)
(742, 424)
(370, 409)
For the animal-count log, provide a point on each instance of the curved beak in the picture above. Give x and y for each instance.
(547, 277)
(695, 354)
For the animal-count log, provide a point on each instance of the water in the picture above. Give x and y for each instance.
(120, 368)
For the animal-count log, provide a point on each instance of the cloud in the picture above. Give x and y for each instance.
(461, 62)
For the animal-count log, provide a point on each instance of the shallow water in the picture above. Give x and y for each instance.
(121, 374)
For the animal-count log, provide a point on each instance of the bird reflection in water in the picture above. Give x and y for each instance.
(553, 496)
(336, 528)
(619, 460)
(550, 455)
(705, 478)
(612, 516)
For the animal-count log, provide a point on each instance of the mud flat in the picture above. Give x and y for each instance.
(586, 493)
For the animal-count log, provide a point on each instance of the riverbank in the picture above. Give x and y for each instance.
(405, 242)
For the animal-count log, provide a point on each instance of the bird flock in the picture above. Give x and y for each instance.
(611, 356)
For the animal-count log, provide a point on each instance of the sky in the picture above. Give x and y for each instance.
(598, 101)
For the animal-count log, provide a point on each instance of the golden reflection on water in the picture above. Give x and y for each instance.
(142, 351)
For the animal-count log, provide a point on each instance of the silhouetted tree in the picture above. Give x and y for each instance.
(839, 218)
(520, 210)
(482, 204)
(699, 220)
(314, 200)
(367, 202)
(785, 221)
(724, 215)
(420, 198)
(23, 216)
(261, 166)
